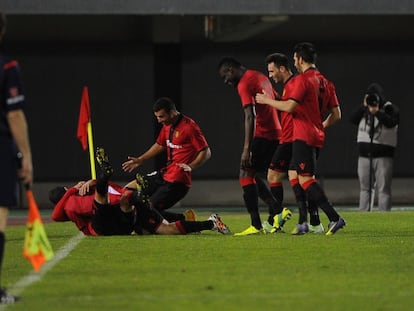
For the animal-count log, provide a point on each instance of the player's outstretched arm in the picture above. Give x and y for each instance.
(133, 162)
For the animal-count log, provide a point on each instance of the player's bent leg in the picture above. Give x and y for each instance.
(168, 229)
(184, 227)
(105, 172)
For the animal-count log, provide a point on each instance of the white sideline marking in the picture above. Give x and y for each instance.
(33, 277)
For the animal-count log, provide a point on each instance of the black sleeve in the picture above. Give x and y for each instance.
(357, 115)
(12, 87)
(389, 115)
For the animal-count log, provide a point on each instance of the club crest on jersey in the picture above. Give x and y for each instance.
(177, 133)
(302, 166)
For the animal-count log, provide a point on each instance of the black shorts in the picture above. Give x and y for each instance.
(282, 158)
(109, 219)
(146, 218)
(262, 153)
(8, 173)
(304, 158)
(163, 194)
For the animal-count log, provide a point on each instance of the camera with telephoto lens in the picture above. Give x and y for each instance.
(373, 100)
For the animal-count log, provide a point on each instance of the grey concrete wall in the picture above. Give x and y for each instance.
(230, 7)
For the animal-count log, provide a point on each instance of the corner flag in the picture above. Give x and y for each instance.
(84, 119)
(37, 248)
(84, 132)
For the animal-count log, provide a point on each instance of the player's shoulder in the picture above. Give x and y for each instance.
(324, 78)
(187, 120)
(296, 79)
(190, 124)
(327, 84)
(7, 62)
(4, 59)
(252, 74)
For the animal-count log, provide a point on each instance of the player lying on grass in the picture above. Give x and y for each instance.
(100, 207)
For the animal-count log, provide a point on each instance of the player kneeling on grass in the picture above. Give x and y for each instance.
(100, 207)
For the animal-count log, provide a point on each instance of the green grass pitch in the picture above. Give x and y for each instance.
(367, 266)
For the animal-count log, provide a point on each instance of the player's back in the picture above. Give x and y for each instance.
(327, 94)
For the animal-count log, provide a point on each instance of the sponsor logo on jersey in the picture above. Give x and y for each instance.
(173, 146)
(14, 96)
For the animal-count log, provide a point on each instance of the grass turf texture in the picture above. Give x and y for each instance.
(367, 266)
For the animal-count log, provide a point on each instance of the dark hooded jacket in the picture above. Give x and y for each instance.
(377, 133)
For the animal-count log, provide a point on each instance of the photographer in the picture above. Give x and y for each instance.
(377, 120)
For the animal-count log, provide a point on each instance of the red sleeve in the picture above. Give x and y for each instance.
(334, 102)
(59, 210)
(198, 139)
(246, 96)
(297, 89)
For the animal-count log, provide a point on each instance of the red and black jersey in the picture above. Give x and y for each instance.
(79, 209)
(267, 121)
(307, 121)
(183, 141)
(327, 94)
(11, 96)
(286, 119)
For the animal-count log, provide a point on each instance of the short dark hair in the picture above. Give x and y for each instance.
(307, 51)
(56, 194)
(279, 59)
(164, 103)
(228, 62)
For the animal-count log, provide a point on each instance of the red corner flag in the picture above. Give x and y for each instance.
(84, 118)
(85, 129)
(37, 248)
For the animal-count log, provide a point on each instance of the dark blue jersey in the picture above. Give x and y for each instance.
(11, 91)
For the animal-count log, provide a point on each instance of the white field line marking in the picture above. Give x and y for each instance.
(33, 277)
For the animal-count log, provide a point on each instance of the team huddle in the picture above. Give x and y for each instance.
(287, 145)
(283, 136)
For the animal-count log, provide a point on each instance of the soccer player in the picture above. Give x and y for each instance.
(261, 134)
(279, 71)
(187, 149)
(117, 210)
(305, 103)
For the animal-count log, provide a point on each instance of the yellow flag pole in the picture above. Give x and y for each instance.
(91, 150)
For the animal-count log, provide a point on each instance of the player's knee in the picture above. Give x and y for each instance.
(275, 176)
(167, 229)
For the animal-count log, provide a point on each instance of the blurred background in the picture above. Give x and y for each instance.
(129, 53)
